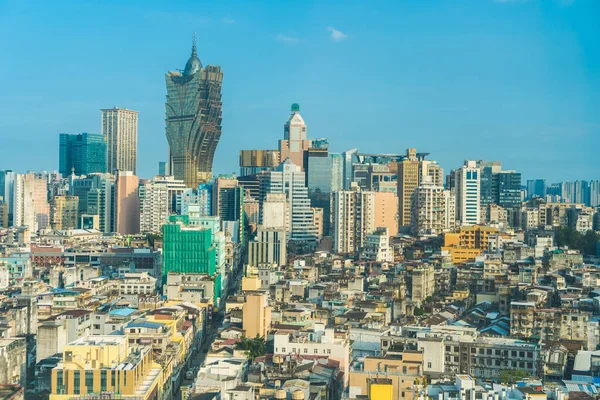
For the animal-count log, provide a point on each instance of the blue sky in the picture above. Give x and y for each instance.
(513, 80)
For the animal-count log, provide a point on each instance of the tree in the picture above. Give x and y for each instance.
(573, 239)
(508, 376)
(256, 347)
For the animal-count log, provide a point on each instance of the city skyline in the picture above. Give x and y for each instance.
(537, 76)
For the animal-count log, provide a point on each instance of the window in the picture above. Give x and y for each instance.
(113, 374)
(328, 351)
(77, 382)
(447, 348)
(429, 364)
(316, 351)
(60, 387)
(103, 380)
(283, 349)
(305, 350)
(89, 381)
(96, 326)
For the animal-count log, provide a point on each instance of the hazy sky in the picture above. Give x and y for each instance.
(513, 80)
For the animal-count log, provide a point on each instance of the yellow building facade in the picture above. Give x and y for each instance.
(96, 364)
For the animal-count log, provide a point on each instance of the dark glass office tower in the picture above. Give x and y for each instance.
(193, 120)
(509, 189)
(83, 154)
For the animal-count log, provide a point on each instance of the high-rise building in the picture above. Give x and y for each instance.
(428, 208)
(376, 172)
(63, 214)
(348, 159)
(509, 190)
(567, 192)
(337, 172)
(582, 192)
(468, 201)
(161, 200)
(197, 202)
(268, 247)
(488, 181)
(253, 162)
(319, 179)
(536, 188)
(7, 191)
(30, 202)
(294, 142)
(120, 130)
(408, 180)
(256, 315)
(126, 203)
(355, 214)
(3, 214)
(274, 211)
(81, 154)
(193, 119)
(96, 192)
(162, 168)
(450, 209)
(594, 193)
(218, 189)
(289, 179)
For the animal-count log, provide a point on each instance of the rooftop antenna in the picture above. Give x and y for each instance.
(194, 44)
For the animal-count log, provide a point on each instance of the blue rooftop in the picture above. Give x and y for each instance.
(142, 323)
(122, 312)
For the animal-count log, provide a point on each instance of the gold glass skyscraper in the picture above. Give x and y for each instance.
(193, 119)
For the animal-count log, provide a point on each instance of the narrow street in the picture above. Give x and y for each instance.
(213, 329)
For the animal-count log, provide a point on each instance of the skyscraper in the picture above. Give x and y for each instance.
(255, 161)
(7, 190)
(509, 189)
(594, 193)
(408, 180)
(348, 158)
(82, 154)
(193, 119)
(294, 141)
(290, 180)
(467, 180)
(536, 188)
(120, 130)
(319, 176)
(488, 187)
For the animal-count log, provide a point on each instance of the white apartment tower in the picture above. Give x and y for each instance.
(467, 185)
(161, 199)
(289, 179)
(352, 218)
(120, 130)
(30, 202)
(428, 208)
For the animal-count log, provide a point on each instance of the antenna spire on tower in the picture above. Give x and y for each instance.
(194, 44)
